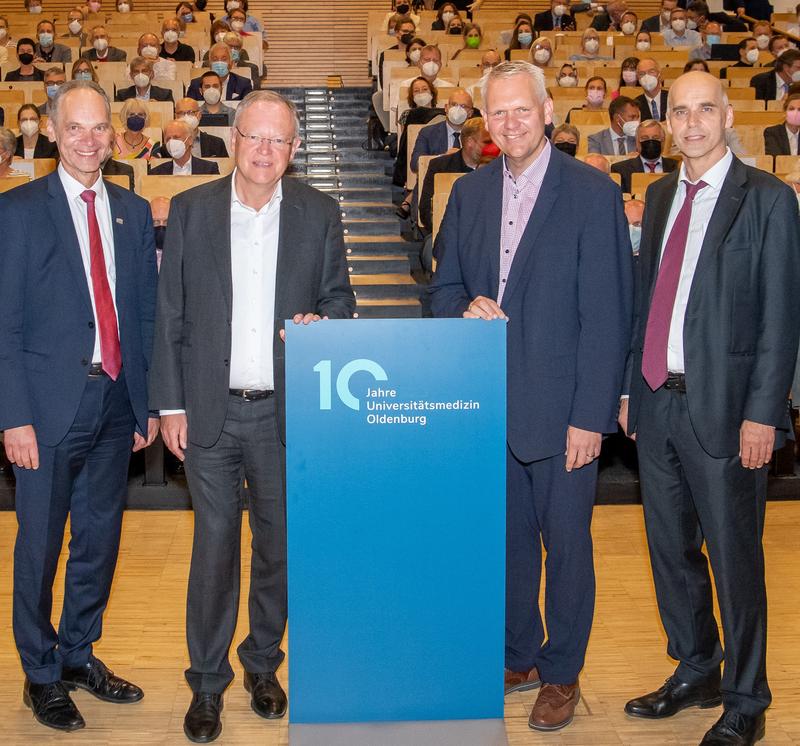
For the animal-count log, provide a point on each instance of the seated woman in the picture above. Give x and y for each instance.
(542, 53)
(782, 139)
(422, 108)
(628, 23)
(595, 96)
(521, 38)
(185, 12)
(5, 40)
(218, 30)
(132, 142)
(26, 70)
(566, 138)
(445, 13)
(590, 47)
(8, 144)
(473, 37)
(567, 76)
(693, 65)
(83, 70)
(32, 143)
(627, 75)
(249, 24)
(643, 41)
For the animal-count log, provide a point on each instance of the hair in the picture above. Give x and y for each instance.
(80, 63)
(431, 88)
(567, 129)
(472, 27)
(514, 43)
(216, 26)
(391, 24)
(455, 20)
(128, 2)
(523, 17)
(187, 129)
(134, 106)
(42, 22)
(8, 140)
(789, 98)
(54, 70)
(593, 79)
(700, 7)
(647, 123)
(95, 28)
(472, 128)
(4, 19)
(404, 19)
(689, 66)
(74, 85)
(431, 47)
(774, 38)
(219, 46)
(618, 104)
(743, 42)
(646, 33)
(266, 96)
(630, 13)
(181, 5)
(25, 40)
(797, 8)
(787, 59)
(506, 70)
(209, 74)
(29, 107)
(443, 6)
(415, 41)
(136, 61)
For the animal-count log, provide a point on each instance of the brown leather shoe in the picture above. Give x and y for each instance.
(520, 681)
(555, 706)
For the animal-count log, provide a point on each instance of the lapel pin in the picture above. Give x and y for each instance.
(120, 221)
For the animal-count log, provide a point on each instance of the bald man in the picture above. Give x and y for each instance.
(204, 145)
(178, 139)
(712, 356)
(600, 162)
(439, 138)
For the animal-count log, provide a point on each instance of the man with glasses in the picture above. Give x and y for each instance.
(241, 255)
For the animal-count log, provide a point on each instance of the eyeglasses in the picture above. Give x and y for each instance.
(280, 143)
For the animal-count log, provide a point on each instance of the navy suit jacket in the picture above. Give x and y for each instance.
(432, 140)
(765, 84)
(236, 88)
(156, 93)
(47, 330)
(568, 296)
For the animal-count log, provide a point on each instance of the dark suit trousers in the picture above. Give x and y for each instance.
(85, 476)
(548, 505)
(689, 496)
(249, 449)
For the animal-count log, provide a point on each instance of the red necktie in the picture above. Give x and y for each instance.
(654, 355)
(651, 166)
(111, 357)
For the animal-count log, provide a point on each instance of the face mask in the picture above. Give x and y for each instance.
(525, 38)
(75, 27)
(636, 237)
(473, 42)
(690, 24)
(455, 30)
(595, 97)
(35, 8)
(762, 40)
(648, 82)
(447, 17)
(430, 69)
(233, 5)
(237, 25)
(150, 52)
(457, 115)
(212, 96)
(141, 80)
(591, 46)
(170, 37)
(413, 56)
(25, 58)
(3, 32)
(83, 75)
(423, 99)
(712, 39)
(45, 40)
(29, 127)
(751, 56)
(159, 231)
(643, 46)
(570, 148)
(629, 77)
(678, 26)
(135, 123)
(402, 9)
(100, 44)
(542, 56)
(650, 149)
(236, 55)
(220, 68)
(407, 38)
(628, 28)
(629, 128)
(793, 117)
(52, 89)
(559, 10)
(176, 148)
(188, 17)
(567, 81)
(123, 8)
(219, 36)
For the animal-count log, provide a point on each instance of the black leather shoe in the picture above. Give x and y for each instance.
(202, 723)
(52, 705)
(675, 696)
(267, 697)
(735, 729)
(96, 679)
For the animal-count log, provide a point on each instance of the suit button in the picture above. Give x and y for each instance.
(84, 361)
(226, 363)
(91, 324)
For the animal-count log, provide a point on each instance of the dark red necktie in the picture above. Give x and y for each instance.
(103, 302)
(651, 166)
(654, 355)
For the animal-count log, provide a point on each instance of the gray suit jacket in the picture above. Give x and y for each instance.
(114, 55)
(190, 368)
(602, 142)
(61, 53)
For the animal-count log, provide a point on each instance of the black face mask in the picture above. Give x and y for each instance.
(455, 30)
(407, 38)
(570, 148)
(25, 58)
(650, 149)
(403, 8)
(160, 231)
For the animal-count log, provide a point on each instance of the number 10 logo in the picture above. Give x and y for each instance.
(324, 368)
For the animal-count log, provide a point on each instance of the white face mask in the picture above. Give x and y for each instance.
(542, 56)
(35, 8)
(629, 128)
(678, 26)
(691, 25)
(567, 81)
(191, 120)
(123, 8)
(413, 55)
(447, 16)
(29, 127)
(219, 36)
(176, 148)
(762, 41)
(648, 82)
(591, 45)
(629, 77)
(430, 69)
(643, 46)
(170, 37)
(628, 28)
(100, 44)
(237, 25)
(457, 114)
(423, 99)
(150, 52)
(233, 5)
(559, 10)
(141, 80)
(75, 27)
(752, 56)
(796, 76)
(212, 96)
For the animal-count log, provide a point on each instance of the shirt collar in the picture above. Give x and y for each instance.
(237, 204)
(527, 176)
(716, 174)
(74, 188)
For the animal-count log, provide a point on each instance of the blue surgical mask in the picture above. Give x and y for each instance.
(636, 237)
(525, 38)
(83, 75)
(45, 40)
(135, 123)
(52, 89)
(235, 55)
(220, 68)
(188, 17)
(712, 39)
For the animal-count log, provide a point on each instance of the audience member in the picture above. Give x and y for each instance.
(694, 65)
(653, 102)
(660, 23)
(748, 56)
(473, 38)
(677, 35)
(620, 137)
(83, 70)
(782, 139)
(600, 162)
(172, 48)
(75, 21)
(54, 78)
(643, 41)
(778, 44)
(505, 36)
(773, 85)
(627, 74)
(26, 69)
(595, 89)
(5, 43)
(114, 167)
(629, 23)
(213, 112)
(240, 59)
(590, 47)
(248, 24)
(430, 64)
(159, 209)
(557, 18)
(436, 139)
(405, 35)
(567, 76)
(32, 143)
(445, 14)
(422, 103)
(634, 212)
(455, 27)
(711, 35)
(521, 38)
(698, 15)
(489, 59)
(217, 33)
(566, 138)
(762, 31)
(141, 73)
(101, 50)
(178, 140)
(609, 18)
(133, 142)
(204, 145)
(185, 12)
(47, 50)
(542, 53)
(8, 146)
(649, 157)
(402, 8)
(233, 86)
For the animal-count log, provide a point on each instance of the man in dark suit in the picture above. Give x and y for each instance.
(748, 56)
(77, 306)
(117, 168)
(234, 86)
(774, 84)
(436, 139)
(557, 18)
(141, 73)
(648, 158)
(178, 140)
(241, 255)
(653, 102)
(699, 13)
(513, 247)
(660, 23)
(101, 50)
(204, 145)
(712, 356)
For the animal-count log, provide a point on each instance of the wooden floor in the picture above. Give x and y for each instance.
(144, 641)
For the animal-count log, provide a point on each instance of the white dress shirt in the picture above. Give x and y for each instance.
(792, 141)
(102, 208)
(650, 100)
(184, 170)
(254, 264)
(702, 208)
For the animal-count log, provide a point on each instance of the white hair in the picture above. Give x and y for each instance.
(506, 70)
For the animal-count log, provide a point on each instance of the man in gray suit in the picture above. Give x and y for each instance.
(620, 137)
(101, 50)
(241, 255)
(46, 49)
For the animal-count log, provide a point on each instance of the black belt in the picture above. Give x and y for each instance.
(675, 382)
(96, 370)
(251, 394)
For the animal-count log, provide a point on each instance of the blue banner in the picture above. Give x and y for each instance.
(396, 453)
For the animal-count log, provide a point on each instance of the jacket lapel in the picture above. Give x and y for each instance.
(218, 233)
(494, 206)
(289, 237)
(662, 208)
(123, 270)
